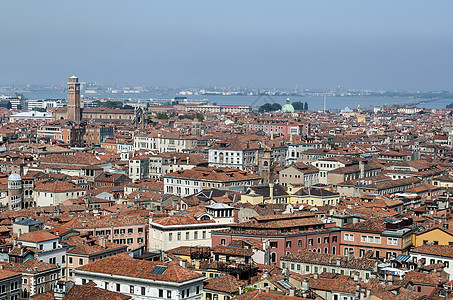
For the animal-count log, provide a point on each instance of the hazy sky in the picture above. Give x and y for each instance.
(321, 44)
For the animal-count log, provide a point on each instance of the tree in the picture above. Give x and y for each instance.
(306, 106)
(127, 106)
(40, 109)
(200, 117)
(161, 116)
(298, 105)
(269, 107)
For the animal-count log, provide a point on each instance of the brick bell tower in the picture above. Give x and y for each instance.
(73, 108)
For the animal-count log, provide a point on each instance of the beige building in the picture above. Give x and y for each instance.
(299, 174)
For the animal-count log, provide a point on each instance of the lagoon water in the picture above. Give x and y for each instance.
(314, 103)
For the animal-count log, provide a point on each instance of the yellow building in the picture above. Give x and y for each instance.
(263, 194)
(436, 236)
(443, 181)
(313, 196)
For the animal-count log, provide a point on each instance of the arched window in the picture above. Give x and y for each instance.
(273, 257)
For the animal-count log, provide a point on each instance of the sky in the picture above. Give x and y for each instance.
(403, 45)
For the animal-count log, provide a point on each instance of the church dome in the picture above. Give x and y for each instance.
(288, 107)
(14, 177)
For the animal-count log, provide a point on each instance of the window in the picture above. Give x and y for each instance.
(198, 289)
(316, 269)
(223, 242)
(349, 237)
(273, 244)
(392, 241)
(70, 259)
(204, 234)
(319, 240)
(106, 285)
(170, 236)
(299, 243)
(161, 293)
(288, 244)
(334, 239)
(131, 289)
(143, 290)
(130, 230)
(307, 269)
(118, 287)
(80, 262)
(169, 294)
(195, 235)
(310, 242)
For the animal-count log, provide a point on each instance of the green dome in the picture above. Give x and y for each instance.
(288, 107)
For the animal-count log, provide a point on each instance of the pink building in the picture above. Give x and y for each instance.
(302, 129)
(283, 234)
(124, 230)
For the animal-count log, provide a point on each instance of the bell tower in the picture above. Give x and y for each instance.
(74, 110)
(267, 167)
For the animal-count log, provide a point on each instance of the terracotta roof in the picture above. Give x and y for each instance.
(31, 266)
(104, 221)
(225, 283)
(181, 220)
(331, 259)
(438, 250)
(37, 236)
(214, 174)
(235, 251)
(7, 274)
(88, 292)
(56, 186)
(124, 265)
(259, 295)
(90, 246)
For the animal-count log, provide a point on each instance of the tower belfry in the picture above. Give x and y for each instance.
(267, 167)
(73, 99)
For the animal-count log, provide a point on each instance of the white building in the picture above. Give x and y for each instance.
(189, 228)
(30, 116)
(55, 193)
(48, 245)
(188, 182)
(434, 254)
(141, 279)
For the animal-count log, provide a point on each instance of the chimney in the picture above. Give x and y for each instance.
(271, 192)
(102, 243)
(305, 288)
(357, 291)
(350, 255)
